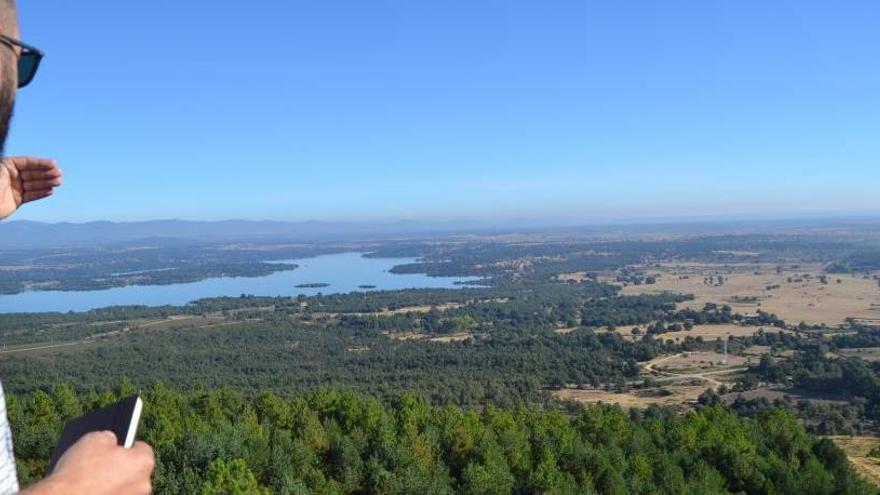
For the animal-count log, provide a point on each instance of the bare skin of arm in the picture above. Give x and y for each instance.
(96, 465)
(25, 179)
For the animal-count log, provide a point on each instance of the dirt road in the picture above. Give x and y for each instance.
(669, 376)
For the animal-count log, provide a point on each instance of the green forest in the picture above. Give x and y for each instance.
(513, 356)
(330, 441)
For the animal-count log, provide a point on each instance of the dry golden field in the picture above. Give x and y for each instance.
(405, 310)
(707, 332)
(459, 337)
(679, 379)
(419, 309)
(445, 339)
(794, 294)
(572, 277)
(680, 394)
(712, 332)
(695, 362)
(857, 448)
(756, 351)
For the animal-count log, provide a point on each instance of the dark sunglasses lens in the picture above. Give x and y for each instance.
(27, 68)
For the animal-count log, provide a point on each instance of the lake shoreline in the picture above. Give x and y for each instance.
(340, 273)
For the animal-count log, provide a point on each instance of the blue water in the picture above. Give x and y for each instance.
(344, 272)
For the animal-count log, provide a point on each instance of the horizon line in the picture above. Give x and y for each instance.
(509, 221)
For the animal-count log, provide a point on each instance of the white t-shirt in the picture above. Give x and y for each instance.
(8, 477)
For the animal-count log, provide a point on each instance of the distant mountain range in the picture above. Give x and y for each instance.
(25, 234)
(28, 234)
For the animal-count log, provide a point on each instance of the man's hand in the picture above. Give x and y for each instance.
(24, 179)
(96, 465)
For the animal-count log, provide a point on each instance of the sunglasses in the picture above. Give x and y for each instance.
(28, 60)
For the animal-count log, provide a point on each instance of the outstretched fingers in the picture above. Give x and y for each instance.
(41, 184)
(39, 176)
(30, 163)
(31, 168)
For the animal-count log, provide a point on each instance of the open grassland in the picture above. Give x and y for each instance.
(857, 448)
(638, 399)
(870, 354)
(756, 351)
(447, 339)
(790, 395)
(798, 294)
(682, 377)
(706, 332)
(409, 309)
(442, 339)
(695, 362)
(416, 309)
(713, 332)
(572, 277)
(677, 379)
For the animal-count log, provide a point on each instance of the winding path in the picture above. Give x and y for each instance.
(669, 376)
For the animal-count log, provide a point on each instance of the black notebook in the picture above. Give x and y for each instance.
(121, 418)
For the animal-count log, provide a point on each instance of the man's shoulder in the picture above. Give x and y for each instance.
(3, 423)
(8, 478)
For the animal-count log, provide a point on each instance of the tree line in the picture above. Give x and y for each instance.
(331, 441)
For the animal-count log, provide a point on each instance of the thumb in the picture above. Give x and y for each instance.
(102, 438)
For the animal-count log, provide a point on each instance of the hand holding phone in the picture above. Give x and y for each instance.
(97, 455)
(97, 465)
(121, 418)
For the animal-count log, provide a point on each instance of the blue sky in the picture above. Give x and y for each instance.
(379, 110)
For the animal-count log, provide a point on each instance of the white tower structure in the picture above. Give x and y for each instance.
(726, 337)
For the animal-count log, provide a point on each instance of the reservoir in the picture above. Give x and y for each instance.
(342, 273)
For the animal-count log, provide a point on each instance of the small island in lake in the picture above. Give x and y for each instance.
(365, 286)
(319, 285)
(469, 282)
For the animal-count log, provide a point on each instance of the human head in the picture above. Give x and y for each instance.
(8, 68)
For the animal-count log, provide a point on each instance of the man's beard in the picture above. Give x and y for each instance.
(7, 99)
